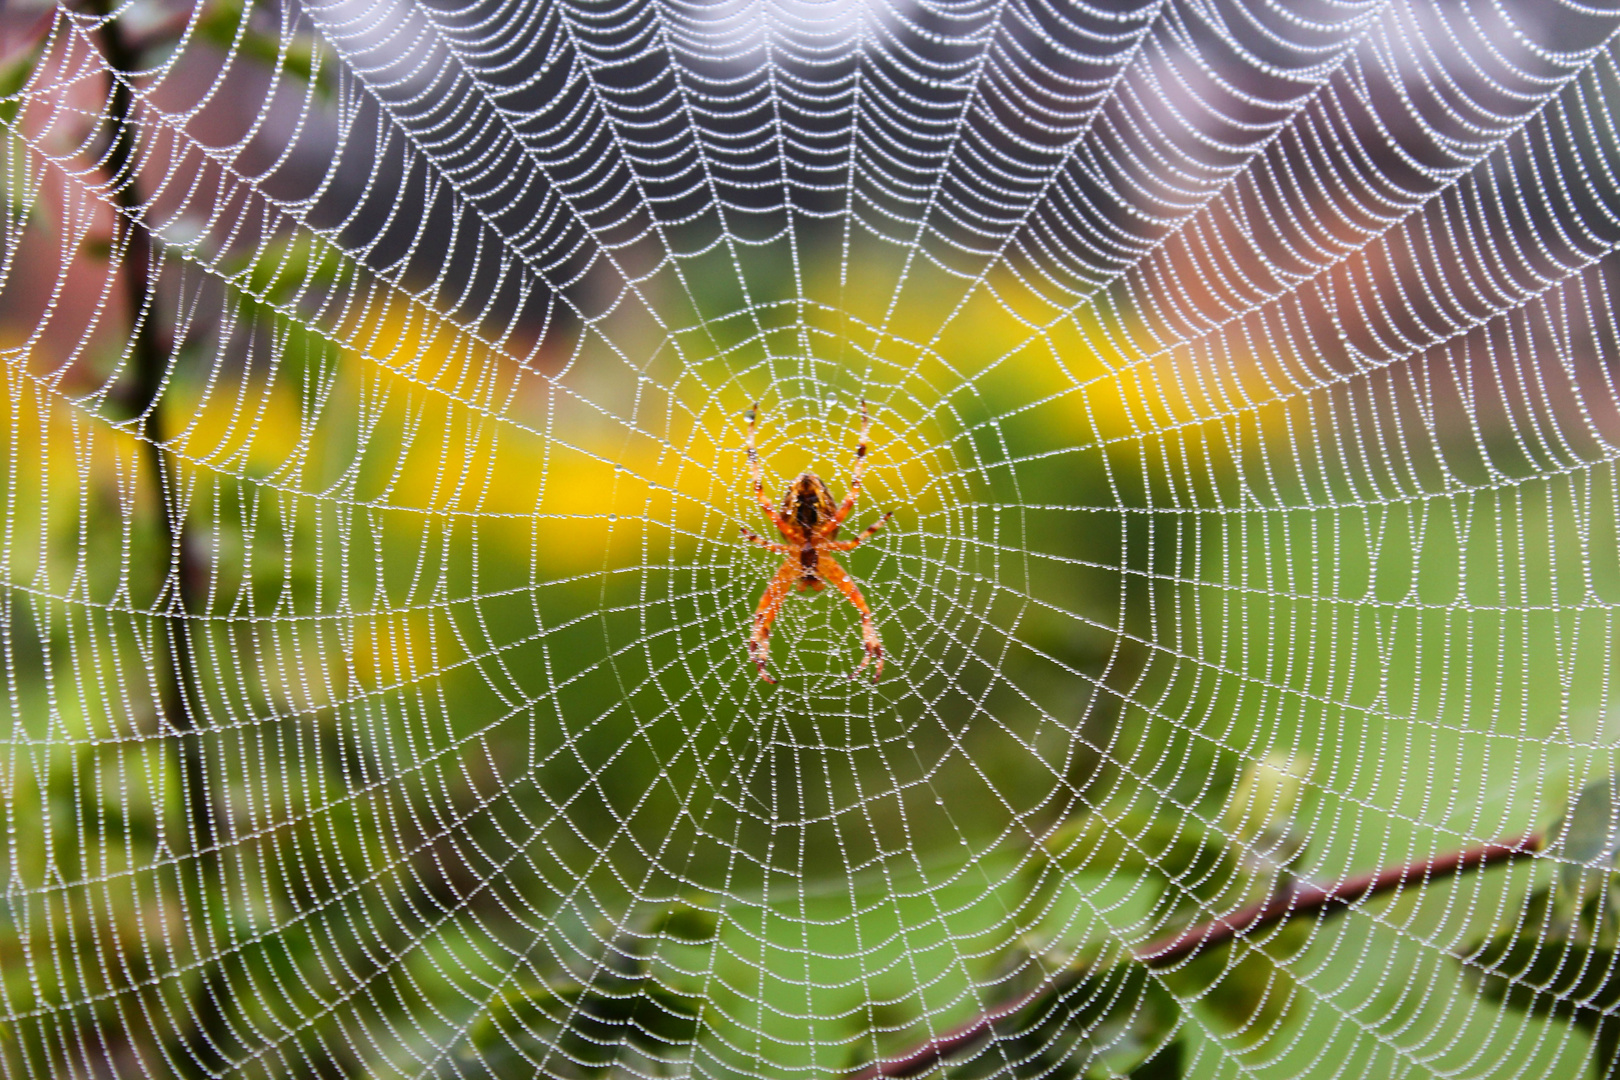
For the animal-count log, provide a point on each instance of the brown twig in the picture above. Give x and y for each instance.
(1301, 899)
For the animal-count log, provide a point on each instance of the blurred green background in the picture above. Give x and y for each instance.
(497, 793)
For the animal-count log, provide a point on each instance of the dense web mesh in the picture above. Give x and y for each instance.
(375, 380)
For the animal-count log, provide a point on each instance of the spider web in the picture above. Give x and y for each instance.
(376, 700)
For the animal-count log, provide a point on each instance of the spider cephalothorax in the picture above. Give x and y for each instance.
(808, 520)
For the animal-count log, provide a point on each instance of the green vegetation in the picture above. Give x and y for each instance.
(498, 794)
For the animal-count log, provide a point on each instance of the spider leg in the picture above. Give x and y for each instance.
(756, 472)
(860, 467)
(780, 549)
(851, 545)
(838, 578)
(770, 605)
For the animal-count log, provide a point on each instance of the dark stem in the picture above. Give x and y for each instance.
(1301, 899)
(150, 351)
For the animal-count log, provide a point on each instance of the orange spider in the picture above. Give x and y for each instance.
(809, 522)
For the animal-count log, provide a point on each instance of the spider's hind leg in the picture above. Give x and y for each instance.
(860, 466)
(756, 470)
(866, 534)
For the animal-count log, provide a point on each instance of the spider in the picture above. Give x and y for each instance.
(808, 521)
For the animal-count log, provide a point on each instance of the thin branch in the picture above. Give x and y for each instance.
(151, 348)
(149, 353)
(1299, 900)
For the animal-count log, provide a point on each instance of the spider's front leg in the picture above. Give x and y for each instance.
(770, 605)
(836, 576)
(754, 537)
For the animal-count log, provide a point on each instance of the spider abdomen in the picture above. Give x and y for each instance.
(808, 502)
